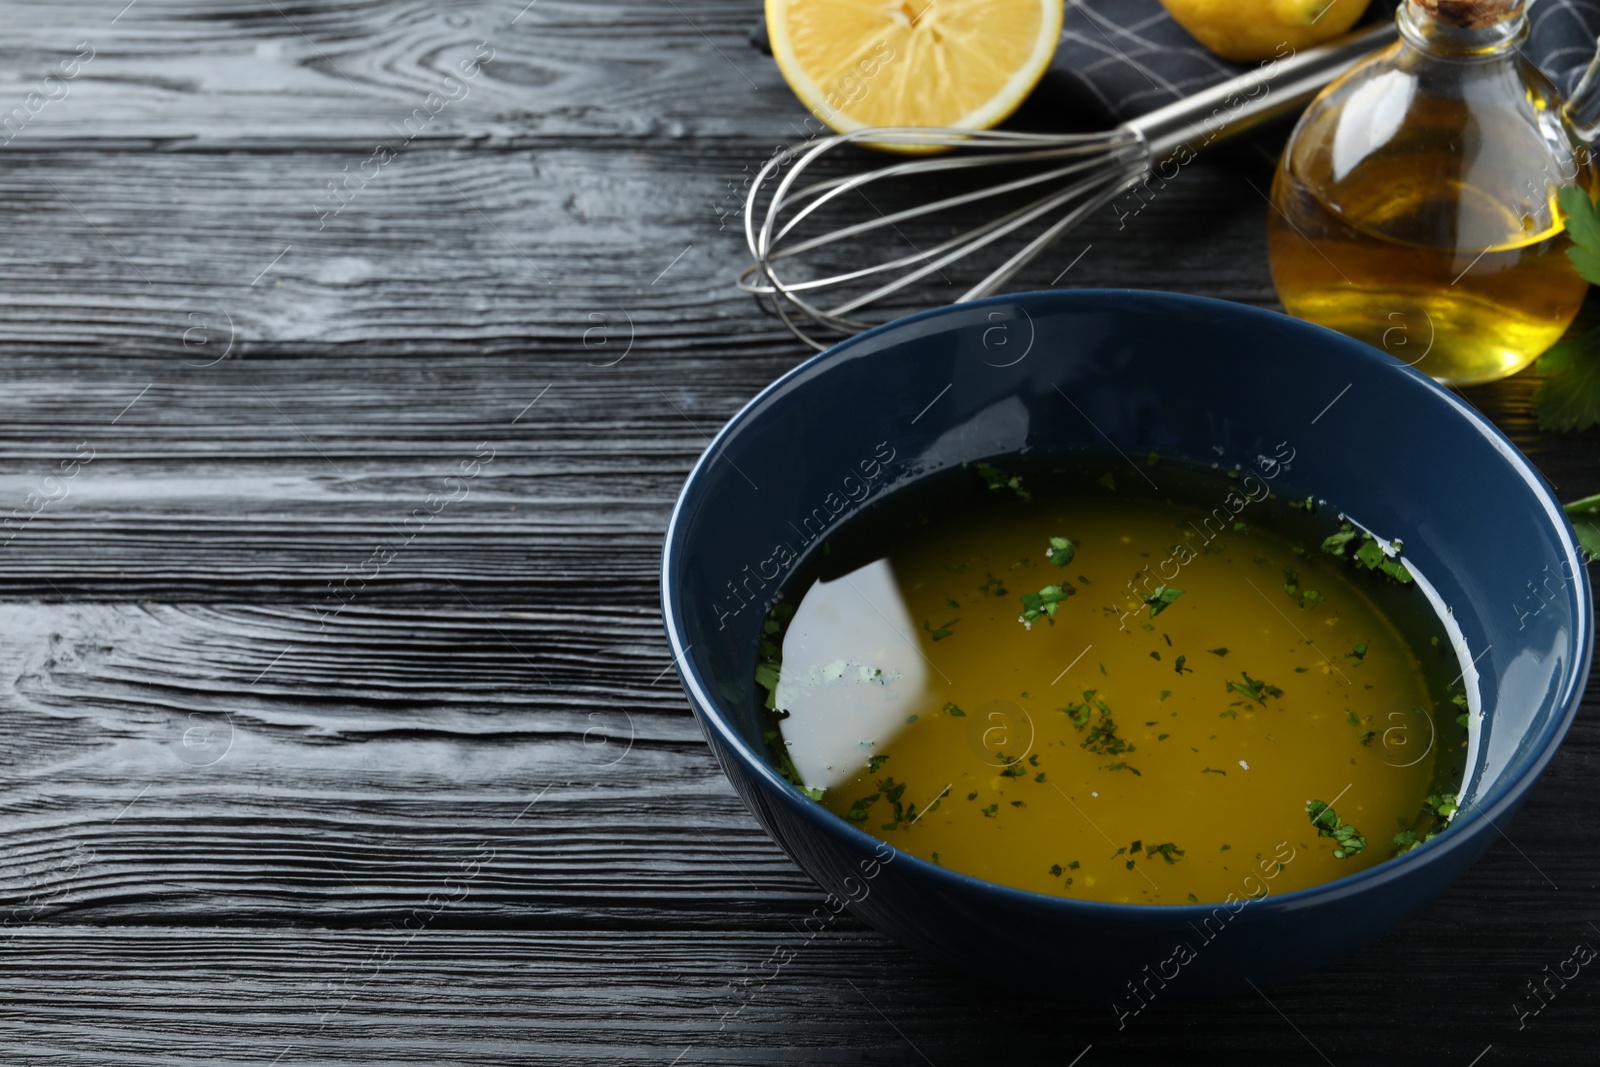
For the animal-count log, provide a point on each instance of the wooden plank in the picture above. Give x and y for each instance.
(179, 763)
(164, 74)
(559, 252)
(433, 994)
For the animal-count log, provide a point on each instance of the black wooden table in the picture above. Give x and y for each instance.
(343, 406)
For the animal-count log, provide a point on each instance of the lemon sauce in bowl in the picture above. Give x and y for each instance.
(1047, 676)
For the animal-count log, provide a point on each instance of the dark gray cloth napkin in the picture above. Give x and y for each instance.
(1120, 58)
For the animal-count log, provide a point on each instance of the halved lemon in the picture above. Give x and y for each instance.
(965, 63)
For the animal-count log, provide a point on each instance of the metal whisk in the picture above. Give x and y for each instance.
(1078, 173)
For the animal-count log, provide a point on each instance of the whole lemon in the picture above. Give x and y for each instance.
(1247, 30)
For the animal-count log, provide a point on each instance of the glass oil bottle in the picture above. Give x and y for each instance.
(1415, 206)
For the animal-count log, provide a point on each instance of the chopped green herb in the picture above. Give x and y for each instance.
(972, 795)
(1162, 599)
(1156, 656)
(1254, 688)
(1122, 765)
(1217, 651)
(954, 711)
(1060, 551)
(1359, 653)
(1178, 665)
(940, 633)
(1209, 770)
(875, 762)
(1043, 603)
(1162, 737)
(1371, 554)
(937, 862)
(1169, 852)
(1108, 480)
(1165, 693)
(1193, 899)
(1440, 806)
(1352, 717)
(1055, 870)
(996, 479)
(1349, 841)
(858, 810)
(990, 810)
(1335, 544)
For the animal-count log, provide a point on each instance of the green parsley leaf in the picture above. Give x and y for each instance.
(1060, 551)
(1217, 651)
(874, 763)
(1585, 516)
(1569, 397)
(1583, 227)
(951, 709)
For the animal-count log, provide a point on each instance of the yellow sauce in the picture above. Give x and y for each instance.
(1113, 754)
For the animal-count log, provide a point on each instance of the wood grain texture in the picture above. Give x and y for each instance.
(231, 806)
(166, 75)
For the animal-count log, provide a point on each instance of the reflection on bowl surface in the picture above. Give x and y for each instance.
(1116, 374)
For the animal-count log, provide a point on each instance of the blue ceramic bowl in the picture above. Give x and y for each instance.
(1089, 371)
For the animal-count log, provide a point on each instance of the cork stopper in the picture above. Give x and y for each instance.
(1470, 14)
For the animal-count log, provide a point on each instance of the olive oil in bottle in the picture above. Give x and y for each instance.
(1415, 205)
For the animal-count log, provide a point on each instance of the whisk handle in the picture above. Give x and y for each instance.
(1279, 86)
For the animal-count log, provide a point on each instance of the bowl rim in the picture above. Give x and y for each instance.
(1468, 822)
